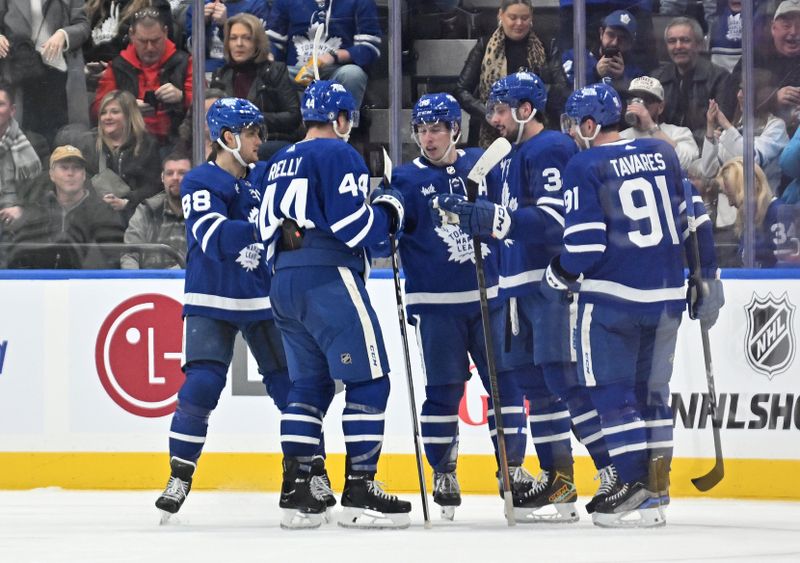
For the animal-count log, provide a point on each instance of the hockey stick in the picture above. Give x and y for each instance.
(710, 479)
(315, 48)
(401, 315)
(491, 158)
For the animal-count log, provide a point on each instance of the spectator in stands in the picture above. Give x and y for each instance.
(790, 166)
(217, 13)
(643, 54)
(768, 229)
(689, 80)
(110, 21)
(56, 95)
(643, 113)
(250, 72)
(722, 214)
(723, 137)
(781, 57)
(512, 47)
(185, 129)
(68, 214)
(614, 57)
(126, 157)
(154, 72)
(725, 35)
(711, 9)
(350, 42)
(19, 162)
(159, 220)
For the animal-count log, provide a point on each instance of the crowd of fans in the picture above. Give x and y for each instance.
(95, 104)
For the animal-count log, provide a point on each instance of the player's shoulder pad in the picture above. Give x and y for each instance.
(206, 176)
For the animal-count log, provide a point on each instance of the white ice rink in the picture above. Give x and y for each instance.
(50, 525)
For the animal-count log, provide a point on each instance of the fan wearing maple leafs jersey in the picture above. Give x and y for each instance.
(226, 288)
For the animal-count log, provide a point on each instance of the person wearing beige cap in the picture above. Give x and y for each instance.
(643, 114)
(69, 213)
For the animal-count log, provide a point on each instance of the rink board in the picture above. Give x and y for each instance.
(90, 365)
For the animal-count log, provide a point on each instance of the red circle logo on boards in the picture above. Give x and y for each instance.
(138, 354)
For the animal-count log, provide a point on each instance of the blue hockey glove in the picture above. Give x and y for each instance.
(391, 200)
(705, 298)
(558, 285)
(482, 218)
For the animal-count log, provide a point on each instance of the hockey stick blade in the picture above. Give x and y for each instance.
(496, 152)
(387, 167)
(315, 49)
(712, 478)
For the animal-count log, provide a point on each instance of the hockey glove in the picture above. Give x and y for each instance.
(558, 285)
(481, 218)
(704, 299)
(392, 201)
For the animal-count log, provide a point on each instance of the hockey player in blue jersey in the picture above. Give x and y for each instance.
(442, 297)
(316, 222)
(535, 336)
(622, 255)
(226, 288)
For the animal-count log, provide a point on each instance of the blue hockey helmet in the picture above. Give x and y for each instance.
(599, 101)
(431, 108)
(517, 88)
(233, 114)
(324, 99)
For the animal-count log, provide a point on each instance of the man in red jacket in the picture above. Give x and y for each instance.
(155, 72)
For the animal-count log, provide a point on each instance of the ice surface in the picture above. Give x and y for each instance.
(51, 525)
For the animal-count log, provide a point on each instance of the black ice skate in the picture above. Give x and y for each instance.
(178, 487)
(301, 507)
(608, 480)
(554, 488)
(629, 505)
(320, 482)
(446, 493)
(366, 505)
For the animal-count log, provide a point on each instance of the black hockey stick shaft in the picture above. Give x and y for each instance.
(401, 315)
(494, 388)
(710, 479)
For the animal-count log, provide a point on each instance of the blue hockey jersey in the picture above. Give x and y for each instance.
(623, 225)
(321, 184)
(439, 262)
(226, 274)
(532, 191)
(349, 24)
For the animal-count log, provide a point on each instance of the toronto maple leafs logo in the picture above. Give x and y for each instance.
(253, 215)
(459, 244)
(250, 256)
(304, 44)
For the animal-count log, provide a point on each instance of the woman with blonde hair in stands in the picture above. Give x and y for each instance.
(512, 47)
(126, 158)
(769, 231)
(251, 73)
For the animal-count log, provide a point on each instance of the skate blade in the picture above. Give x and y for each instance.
(352, 517)
(448, 512)
(167, 518)
(640, 518)
(293, 519)
(565, 513)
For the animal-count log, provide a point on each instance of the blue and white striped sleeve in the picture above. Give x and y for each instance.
(585, 235)
(366, 46)
(208, 224)
(278, 28)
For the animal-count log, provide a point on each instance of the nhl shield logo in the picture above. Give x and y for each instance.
(770, 342)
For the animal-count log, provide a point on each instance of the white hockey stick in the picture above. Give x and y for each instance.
(496, 152)
(401, 315)
(315, 49)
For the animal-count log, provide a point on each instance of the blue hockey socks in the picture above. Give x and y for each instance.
(439, 422)
(363, 422)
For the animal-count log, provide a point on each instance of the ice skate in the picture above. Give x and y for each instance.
(301, 507)
(367, 505)
(608, 480)
(521, 481)
(321, 484)
(551, 499)
(178, 487)
(446, 493)
(629, 505)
